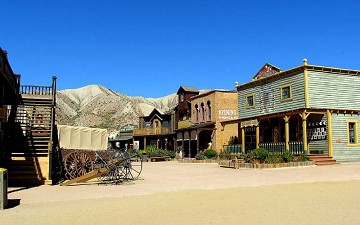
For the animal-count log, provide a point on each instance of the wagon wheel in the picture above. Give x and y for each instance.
(77, 164)
(112, 176)
(84, 163)
(71, 162)
(132, 166)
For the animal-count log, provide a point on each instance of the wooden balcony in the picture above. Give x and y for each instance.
(184, 124)
(151, 131)
(9, 78)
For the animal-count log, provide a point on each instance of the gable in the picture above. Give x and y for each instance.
(187, 89)
(266, 70)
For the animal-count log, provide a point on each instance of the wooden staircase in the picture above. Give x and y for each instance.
(322, 159)
(28, 141)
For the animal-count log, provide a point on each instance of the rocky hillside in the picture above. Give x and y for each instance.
(97, 106)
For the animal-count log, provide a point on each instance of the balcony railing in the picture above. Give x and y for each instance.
(36, 90)
(184, 124)
(151, 131)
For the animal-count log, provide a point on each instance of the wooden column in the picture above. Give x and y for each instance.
(144, 143)
(286, 118)
(257, 135)
(197, 140)
(243, 139)
(329, 132)
(304, 116)
(189, 146)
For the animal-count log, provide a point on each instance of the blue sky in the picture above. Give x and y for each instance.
(150, 48)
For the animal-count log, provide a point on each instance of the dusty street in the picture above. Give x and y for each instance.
(177, 193)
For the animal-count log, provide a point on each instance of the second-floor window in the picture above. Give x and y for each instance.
(196, 113)
(182, 97)
(202, 112)
(285, 93)
(208, 110)
(250, 101)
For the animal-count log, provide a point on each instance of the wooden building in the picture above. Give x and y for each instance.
(156, 129)
(308, 109)
(27, 118)
(202, 129)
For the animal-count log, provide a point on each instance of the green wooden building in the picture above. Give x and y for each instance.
(307, 109)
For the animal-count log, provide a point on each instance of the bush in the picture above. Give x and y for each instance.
(287, 156)
(249, 158)
(199, 156)
(210, 153)
(301, 158)
(152, 151)
(260, 154)
(169, 153)
(274, 158)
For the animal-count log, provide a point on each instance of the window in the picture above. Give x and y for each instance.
(352, 132)
(196, 113)
(182, 97)
(250, 101)
(208, 109)
(286, 93)
(202, 112)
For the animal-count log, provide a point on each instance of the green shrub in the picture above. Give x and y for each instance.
(274, 158)
(199, 156)
(287, 156)
(210, 153)
(170, 153)
(249, 158)
(301, 158)
(259, 154)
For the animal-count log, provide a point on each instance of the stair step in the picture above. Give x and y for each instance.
(322, 159)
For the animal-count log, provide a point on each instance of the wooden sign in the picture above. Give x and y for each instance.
(249, 123)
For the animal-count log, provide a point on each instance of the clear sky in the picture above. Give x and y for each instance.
(150, 48)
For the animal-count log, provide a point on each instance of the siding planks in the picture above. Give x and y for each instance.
(273, 90)
(341, 151)
(333, 91)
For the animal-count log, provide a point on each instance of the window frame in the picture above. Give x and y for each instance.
(282, 98)
(356, 132)
(247, 102)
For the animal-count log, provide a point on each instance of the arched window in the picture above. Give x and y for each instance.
(208, 110)
(202, 112)
(196, 113)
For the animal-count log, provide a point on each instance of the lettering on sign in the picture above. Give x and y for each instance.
(228, 114)
(249, 123)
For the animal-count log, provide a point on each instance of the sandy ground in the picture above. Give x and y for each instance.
(175, 193)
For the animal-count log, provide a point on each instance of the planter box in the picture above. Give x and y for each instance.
(242, 164)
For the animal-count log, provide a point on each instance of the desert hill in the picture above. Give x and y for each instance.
(97, 106)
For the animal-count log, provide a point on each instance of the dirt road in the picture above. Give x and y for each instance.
(174, 193)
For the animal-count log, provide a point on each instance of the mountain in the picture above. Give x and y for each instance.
(97, 106)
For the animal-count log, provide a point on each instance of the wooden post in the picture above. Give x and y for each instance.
(306, 84)
(144, 143)
(329, 132)
(257, 135)
(304, 117)
(286, 118)
(197, 140)
(243, 139)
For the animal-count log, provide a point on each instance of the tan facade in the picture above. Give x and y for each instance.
(214, 107)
